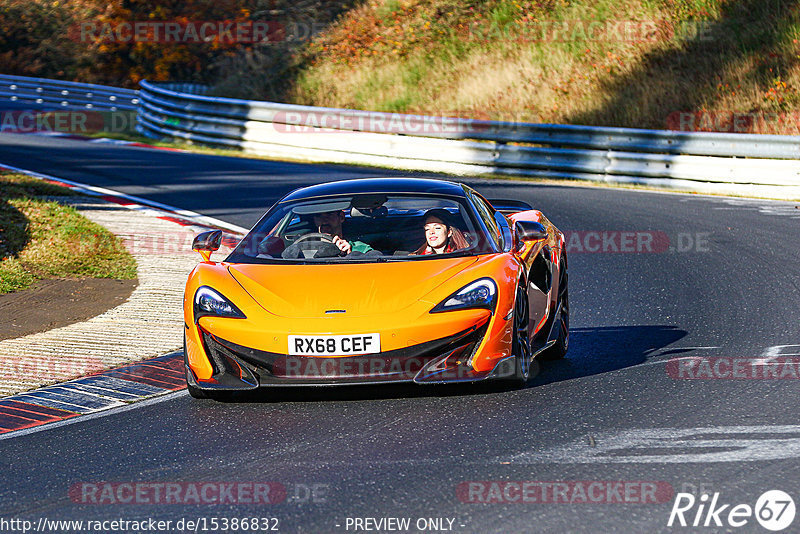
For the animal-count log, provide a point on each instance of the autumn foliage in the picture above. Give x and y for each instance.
(78, 39)
(718, 65)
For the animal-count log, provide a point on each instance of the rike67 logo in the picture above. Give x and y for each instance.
(774, 510)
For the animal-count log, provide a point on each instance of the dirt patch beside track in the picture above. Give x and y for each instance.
(58, 302)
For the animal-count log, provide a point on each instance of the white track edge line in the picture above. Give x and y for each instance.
(191, 215)
(94, 415)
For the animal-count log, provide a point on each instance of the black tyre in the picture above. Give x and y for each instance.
(559, 350)
(521, 343)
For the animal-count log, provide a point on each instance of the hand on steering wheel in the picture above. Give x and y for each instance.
(325, 246)
(317, 236)
(343, 244)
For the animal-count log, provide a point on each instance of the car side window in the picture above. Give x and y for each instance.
(486, 213)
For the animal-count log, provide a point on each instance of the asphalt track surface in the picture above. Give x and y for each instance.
(608, 412)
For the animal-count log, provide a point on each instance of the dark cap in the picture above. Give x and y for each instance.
(440, 213)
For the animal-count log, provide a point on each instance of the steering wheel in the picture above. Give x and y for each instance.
(312, 245)
(316, 236)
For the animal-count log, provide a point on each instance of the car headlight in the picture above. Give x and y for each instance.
(481, 293)
(209, 302)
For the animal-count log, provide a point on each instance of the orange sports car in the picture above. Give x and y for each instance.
(378, 280)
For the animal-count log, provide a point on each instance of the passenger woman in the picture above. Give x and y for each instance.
(441, 236)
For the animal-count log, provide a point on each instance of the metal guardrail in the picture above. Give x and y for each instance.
(697, 161)
(176, 97)
(680, 159)
(43, 92)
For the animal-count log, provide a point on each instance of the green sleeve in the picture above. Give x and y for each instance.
(360, 246)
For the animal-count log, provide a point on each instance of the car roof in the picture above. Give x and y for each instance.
(377, 185)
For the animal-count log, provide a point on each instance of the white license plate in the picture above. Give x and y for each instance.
(347, 345)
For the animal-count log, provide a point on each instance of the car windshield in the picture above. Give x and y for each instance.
(363, 227)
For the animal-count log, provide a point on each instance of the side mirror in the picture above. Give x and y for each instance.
(207, 242)
(531, 230)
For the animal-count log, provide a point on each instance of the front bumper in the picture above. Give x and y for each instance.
(444, 360)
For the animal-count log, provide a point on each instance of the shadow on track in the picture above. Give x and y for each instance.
(592, 351)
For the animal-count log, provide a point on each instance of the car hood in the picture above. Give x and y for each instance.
(305, 291)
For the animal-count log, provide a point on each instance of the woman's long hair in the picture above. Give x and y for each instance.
(455, 241)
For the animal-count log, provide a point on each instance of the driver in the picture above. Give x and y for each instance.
(330, 222)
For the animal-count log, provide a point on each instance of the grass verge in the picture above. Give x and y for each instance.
(710, 65)
(41, 238)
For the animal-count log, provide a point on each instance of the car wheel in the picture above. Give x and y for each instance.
(521, 343)
(559, 350)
